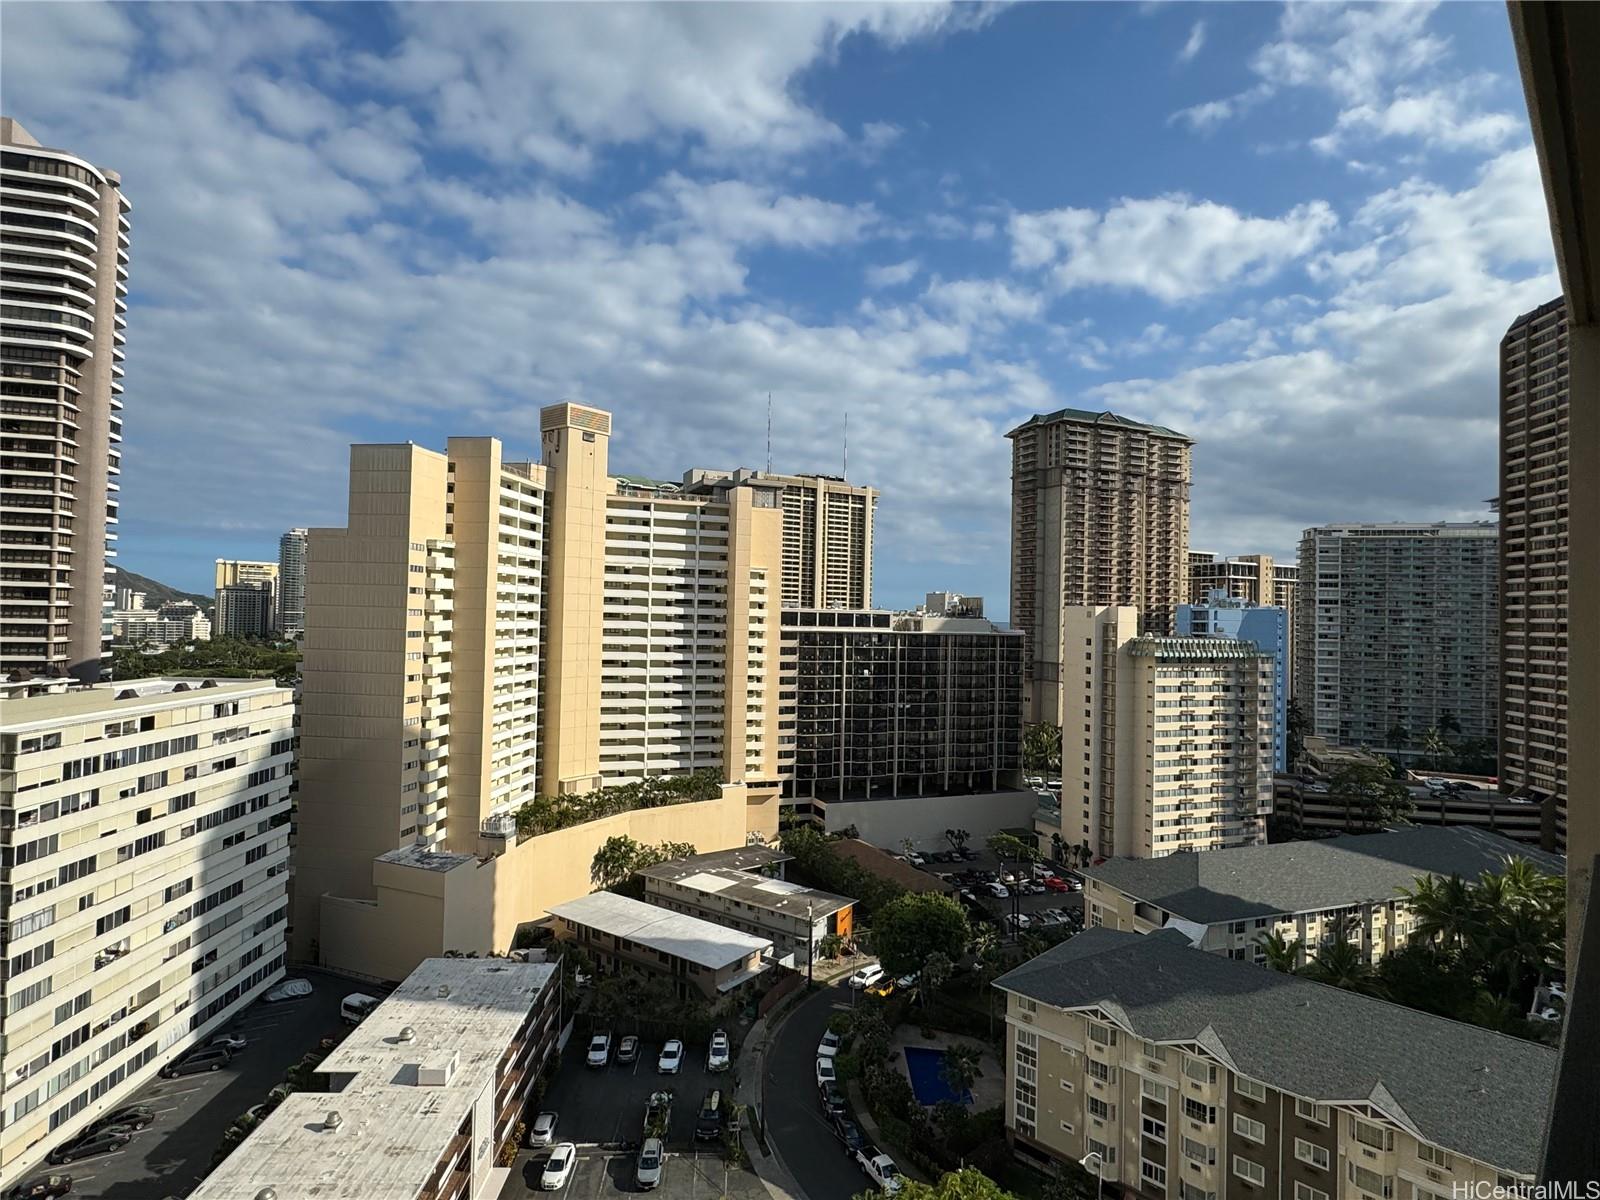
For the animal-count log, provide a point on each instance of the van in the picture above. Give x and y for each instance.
(708, 1122)
(354, 1007)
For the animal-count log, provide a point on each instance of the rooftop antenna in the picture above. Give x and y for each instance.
(845, 472)
(769, 433)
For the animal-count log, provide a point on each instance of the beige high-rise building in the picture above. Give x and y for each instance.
(1099, 516)
(483, 632)
(246, 598)
(65, 244)
(1253, 577)
(1534, 414)
(827, 535)
(1166, 742)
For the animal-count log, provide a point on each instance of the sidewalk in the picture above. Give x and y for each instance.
(752, 1068)
(863, 1116)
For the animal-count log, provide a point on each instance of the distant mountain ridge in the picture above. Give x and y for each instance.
(156, 593)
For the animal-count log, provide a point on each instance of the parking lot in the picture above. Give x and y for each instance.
(193, 1111)
(602, 1111)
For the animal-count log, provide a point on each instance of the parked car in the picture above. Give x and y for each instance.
(849, 1133)
(718, 1057)
(969, 855)
(916, 860)
(880, 1169)
(1049, 917)
(599, 1050)
(671, 1060)
(866, 976)
(1056, 884)
(628, 1050)
(41, 1187)
(558, 1167)
(652, 1158)
(542, 1132)
(354, 1008)
(231, 1042)
(211, 1058)
(708, 1121)
(832, 1100)
(908, 981)
(829, 1046)
(883, 988)
(289, 989)
(999, 891)
(1546, 1014)
(133, 1116)
(825, 1071)
(89, 1144)
(1019, 920)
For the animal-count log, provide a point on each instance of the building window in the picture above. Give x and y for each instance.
(1102, 1035)
(1247, 1128)
(1432, 1154)
(1304, 1191)
(1378, 1137)
(1199, 1152)
(1151, 1173)
(1108, 1154)
(1249, 1088)
(1099, 1109)
(1100, 1071)
(1199, 1070)
(1311, 1112)
(1371, 1182)
(1154, 1128)
(1310, 1152)
(1250, 1172)
(1024, 1004)
(1206, 1114)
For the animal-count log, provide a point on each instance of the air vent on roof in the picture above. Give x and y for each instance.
(126, 694)
(443, 991)
(407, 1034)
(438, 1074)
(181, 687)
(267, 1193)
(332, 1121)
(210, 683)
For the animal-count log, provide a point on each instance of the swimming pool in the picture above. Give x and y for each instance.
(925, 1065)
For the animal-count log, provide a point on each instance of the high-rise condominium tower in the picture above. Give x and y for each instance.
(1166, 742)
(827, 536)
(292, 583)
(1099, 516)
(246, 598)
(1397, 633)
(64, 237)
(482, 633)
(1534, 396)
(1254, 578)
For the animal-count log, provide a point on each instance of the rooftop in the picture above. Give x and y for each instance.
(1188, 648)
(124, 696)
(1083, 416)
(757, 891)
(1469, 1090)
(678, 934)
(887, 866)
(1292, 877)
(740, 858)
(393, 1129)
(425, 859)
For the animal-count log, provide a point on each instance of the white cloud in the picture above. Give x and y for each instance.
(983, 303)
(1197, 39)
(892, 274)
(744, 213)
(1172, 247)
(1437, 116)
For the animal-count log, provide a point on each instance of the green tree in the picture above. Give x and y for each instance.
(614, 861)
(1370, 793)
(1398, 736)
(959, 1068)
(1008, 847)
(1443, 909)
(1434, 747)
(1041, 749)
(1282, 953)
(1058, 847)
(906, 930)
(968, 1183)
(1340, 964)
(936, 971)
(1295, 731)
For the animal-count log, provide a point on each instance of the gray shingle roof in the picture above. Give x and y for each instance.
(1292, 877)
(1466, 1089)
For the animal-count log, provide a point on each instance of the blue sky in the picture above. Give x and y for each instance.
(1296, 233)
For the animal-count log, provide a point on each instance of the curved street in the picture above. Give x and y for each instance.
(797, 1131)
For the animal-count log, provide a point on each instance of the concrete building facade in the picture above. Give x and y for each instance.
(64, 234)
(1099, 516)
(1197, 1078)
(1220, 614)
(1166, 742)
(1398, 629)
(418, 1100)
(144, 862)
(1255, 578)
(180, 621)
(1535, 394)
(292, 583)
(483, 632)
(244, 610)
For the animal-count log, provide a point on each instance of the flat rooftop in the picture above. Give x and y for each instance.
(1470, 1090)
(392, 1130)
(131, 695)
(1293, 877)
(711, 946)
(746, 887)
(739, 858)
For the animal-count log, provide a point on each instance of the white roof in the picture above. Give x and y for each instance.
(678, 934)
(393, 1130)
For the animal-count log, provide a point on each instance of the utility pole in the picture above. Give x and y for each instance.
(811, 953)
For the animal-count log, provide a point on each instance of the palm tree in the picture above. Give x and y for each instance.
(960, 1068)
(1041, 749)
(1527, 884)
(1057, 847)
(1444, 909)
(1340, 964)
(1515, 950)
(1399, 736)
(1434, 746)
(936, 970)
(1282, 954)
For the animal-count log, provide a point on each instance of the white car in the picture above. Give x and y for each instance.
(1546, 1014)
(866, 977)
(289, 989)
(998, 891)
(648, 1170)
(558, 1168)
(543, 1130)
(231, 1042)
(825, 1072)
(671, 1060)
(718, 1058)
(829, 1046)
(599, 1050)
(880, 1169)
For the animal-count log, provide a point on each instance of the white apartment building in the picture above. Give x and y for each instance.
(144, 854)
(180, 621)
(1166, 742)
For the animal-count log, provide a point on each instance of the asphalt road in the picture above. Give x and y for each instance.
(796, 1128)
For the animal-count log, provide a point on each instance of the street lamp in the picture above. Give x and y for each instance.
(810, 941)
(1098, 1165)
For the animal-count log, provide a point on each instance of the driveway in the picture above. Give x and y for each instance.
(797, 1131)
(193, 1111)
(686, 1175)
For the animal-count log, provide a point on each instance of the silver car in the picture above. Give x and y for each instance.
(543, 1130)
(652, 1158)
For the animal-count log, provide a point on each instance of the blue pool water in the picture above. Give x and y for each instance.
(925, 1065)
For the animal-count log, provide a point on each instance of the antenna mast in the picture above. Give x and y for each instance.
(769, 433)
(846, 470)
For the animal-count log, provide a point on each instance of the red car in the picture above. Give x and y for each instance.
(1054, 883)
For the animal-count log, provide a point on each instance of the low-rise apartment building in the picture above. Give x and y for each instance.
(144, 862)
(730, 890)
(698, 956)
(1315, 892)
(1194, 1078)
(418, 1100)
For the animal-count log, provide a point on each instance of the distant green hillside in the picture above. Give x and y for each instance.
(156, 593)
